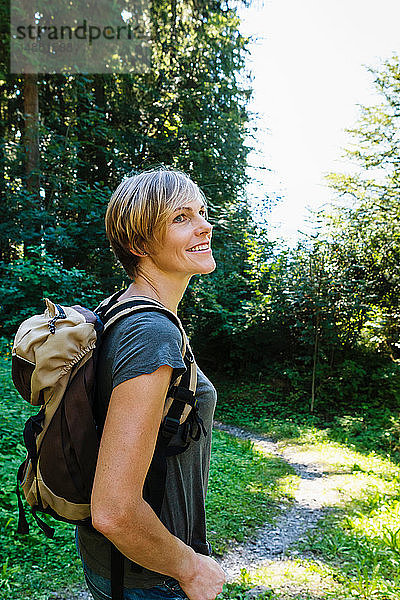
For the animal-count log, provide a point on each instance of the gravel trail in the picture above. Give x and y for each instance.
(311, 501)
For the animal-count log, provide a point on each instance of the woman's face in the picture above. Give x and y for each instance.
(186, 247)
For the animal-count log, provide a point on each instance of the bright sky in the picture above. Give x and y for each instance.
(308, 79)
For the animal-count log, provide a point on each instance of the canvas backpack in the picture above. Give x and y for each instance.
(53, 366)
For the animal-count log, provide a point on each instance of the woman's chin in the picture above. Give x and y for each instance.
(209, 268)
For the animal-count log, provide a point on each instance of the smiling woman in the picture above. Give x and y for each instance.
(157, 226)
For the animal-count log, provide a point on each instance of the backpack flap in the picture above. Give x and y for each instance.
(42, 353)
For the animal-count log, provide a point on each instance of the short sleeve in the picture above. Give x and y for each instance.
(146, 341)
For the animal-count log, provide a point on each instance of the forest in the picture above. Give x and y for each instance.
(318, 322)
(291, 336)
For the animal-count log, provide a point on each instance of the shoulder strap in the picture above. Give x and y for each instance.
(116, 310)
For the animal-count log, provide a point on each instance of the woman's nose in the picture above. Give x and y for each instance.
(205, 226)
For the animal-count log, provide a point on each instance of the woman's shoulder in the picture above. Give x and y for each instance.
(140, 343)
(149, 328)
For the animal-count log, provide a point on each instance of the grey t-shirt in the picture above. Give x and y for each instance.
(136, 345)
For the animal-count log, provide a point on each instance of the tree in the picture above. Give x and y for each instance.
(368, 224)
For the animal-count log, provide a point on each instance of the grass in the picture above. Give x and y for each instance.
(244, 490)
(362, 543)
(289, 579)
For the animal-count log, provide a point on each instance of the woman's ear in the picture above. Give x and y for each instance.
(137, 253)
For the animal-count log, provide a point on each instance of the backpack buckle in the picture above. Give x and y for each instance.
(183, 394)
(170, 426)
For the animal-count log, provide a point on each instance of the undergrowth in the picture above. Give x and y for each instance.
(272, 406)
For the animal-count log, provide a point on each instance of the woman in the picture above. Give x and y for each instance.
(156, 224)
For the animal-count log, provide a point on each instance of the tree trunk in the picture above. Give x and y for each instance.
(315, 361)
(31, 141)
(4, 241)
(100, 156)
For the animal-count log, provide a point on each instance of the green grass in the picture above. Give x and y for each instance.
(244, 489)
(359, 542)
(362, 543)
(290, 579)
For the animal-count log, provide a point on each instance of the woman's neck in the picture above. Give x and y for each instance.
(166, 290)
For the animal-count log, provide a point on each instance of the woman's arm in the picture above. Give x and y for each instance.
(118, 508)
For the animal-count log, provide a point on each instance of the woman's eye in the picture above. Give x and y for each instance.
(179, 218)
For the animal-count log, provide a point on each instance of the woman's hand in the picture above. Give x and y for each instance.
(207, 580)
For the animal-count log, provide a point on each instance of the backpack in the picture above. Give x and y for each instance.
(53, 366)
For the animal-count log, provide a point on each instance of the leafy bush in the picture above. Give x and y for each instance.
(28, 280)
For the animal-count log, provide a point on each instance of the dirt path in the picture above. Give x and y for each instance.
(312, 499)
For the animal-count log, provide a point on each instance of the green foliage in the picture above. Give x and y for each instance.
(358, 404)
(322, 317)
(30, 279)
(188, 111)
(366, 228)
(237, 590)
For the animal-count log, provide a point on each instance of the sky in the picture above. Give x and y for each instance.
(308, 64)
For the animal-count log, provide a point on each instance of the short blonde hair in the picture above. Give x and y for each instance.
(139, 209)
